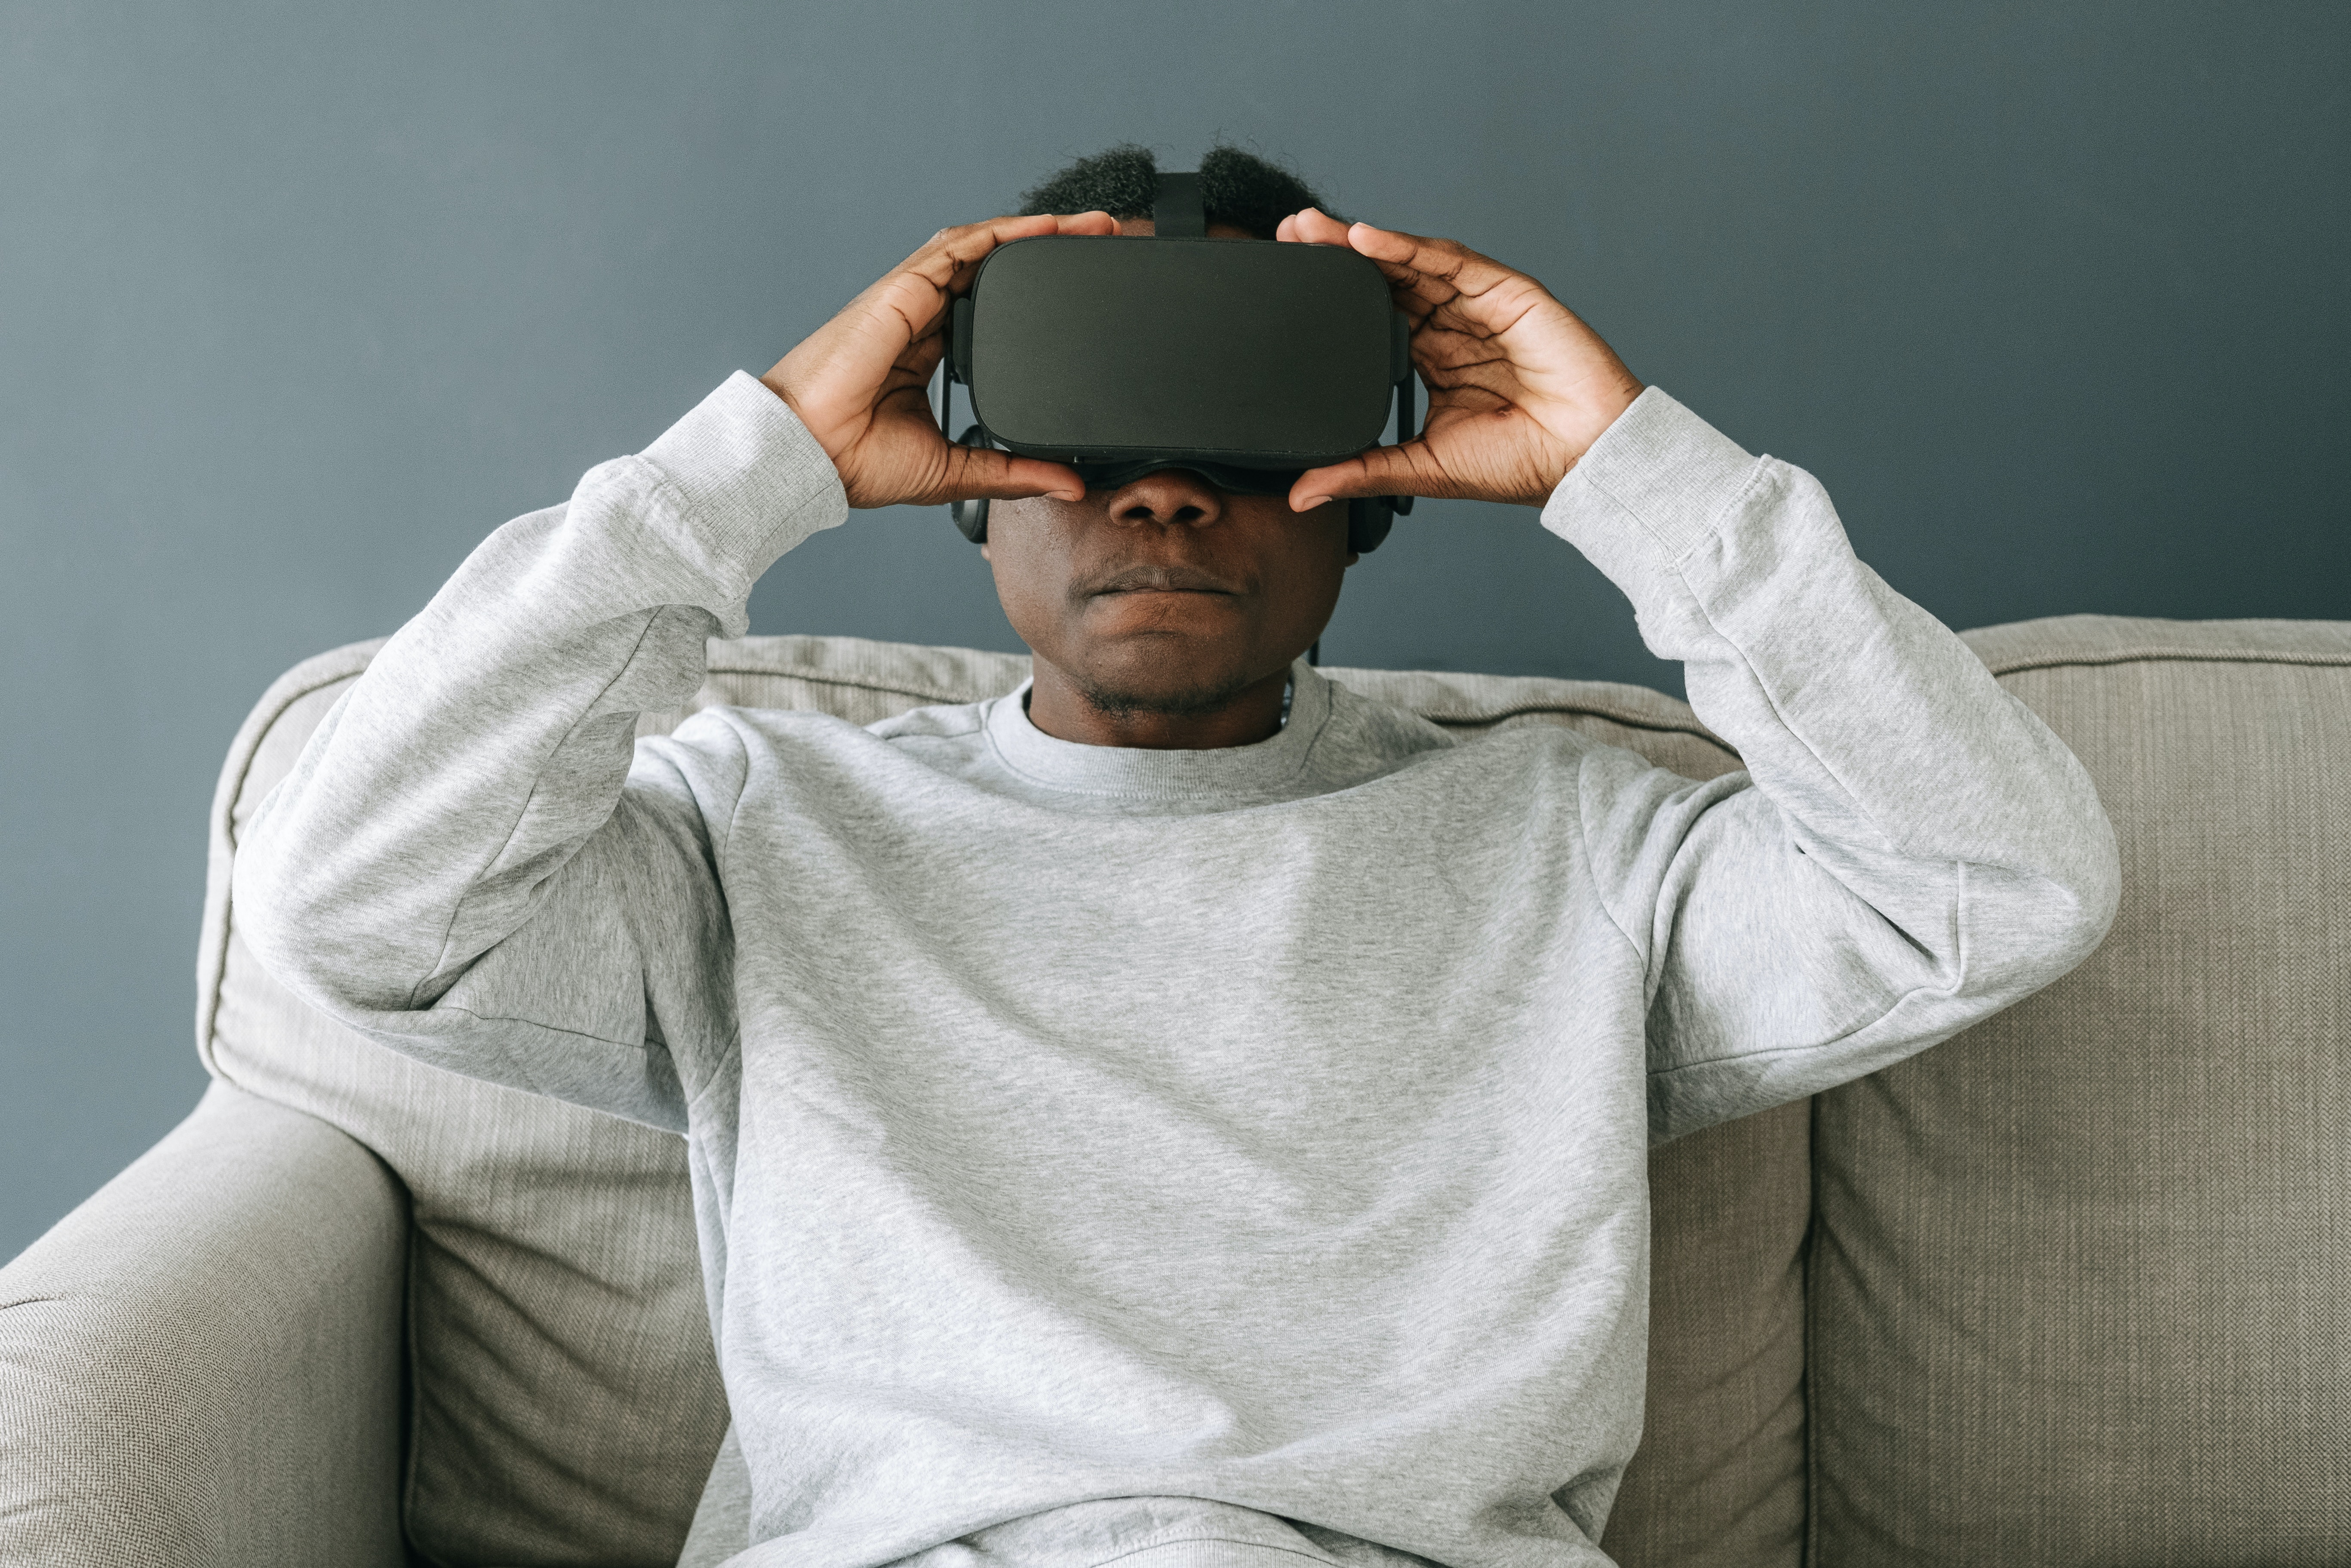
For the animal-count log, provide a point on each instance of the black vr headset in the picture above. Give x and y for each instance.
(1244, 362)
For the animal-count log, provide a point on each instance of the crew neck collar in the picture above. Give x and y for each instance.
(1268, 768)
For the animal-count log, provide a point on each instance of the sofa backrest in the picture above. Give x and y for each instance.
(2081, 1277)
(564, 1406)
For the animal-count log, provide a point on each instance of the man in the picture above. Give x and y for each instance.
(1180, 1108)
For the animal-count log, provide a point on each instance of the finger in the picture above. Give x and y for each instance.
(1412, 469)
(916, 292)
(1313, 226)
(907, 303)
(1446, 274)
(921, 358)
(1424, 296)
(1451, 366)
(965, 245)
(909, 384)
(952, 258)
(974, 472)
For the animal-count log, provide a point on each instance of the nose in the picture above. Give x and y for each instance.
(1171, 497)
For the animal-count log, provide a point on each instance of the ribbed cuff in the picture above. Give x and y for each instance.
(749, 481)
(1650, 488)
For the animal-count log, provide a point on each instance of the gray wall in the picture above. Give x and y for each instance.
(298, 302)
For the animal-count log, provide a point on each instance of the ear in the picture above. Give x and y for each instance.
(984, 554)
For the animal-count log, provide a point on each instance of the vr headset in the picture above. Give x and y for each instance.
(1245, 362)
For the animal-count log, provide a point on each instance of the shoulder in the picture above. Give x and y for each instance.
(946, 723)
(722, 729)
(1393, 736)
(722, 743)
(716, 749)
(1383, 728)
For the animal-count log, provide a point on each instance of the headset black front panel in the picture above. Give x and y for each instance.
(1249, 352)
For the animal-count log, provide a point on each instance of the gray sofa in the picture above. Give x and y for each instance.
(2073, 1287)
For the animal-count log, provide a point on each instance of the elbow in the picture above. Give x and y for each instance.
(2034, 926)
(2101, 893)
(290, 922)
(2089, 881)
(264, 912)
(2084, 867)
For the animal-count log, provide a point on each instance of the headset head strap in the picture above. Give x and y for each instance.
(1176, 212)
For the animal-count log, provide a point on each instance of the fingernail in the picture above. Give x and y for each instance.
(1312, 502)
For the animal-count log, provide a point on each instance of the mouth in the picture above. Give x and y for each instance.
(1160, 579)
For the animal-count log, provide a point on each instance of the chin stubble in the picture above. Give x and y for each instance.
(1117, 702)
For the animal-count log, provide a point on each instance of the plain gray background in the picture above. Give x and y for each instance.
(298, 302)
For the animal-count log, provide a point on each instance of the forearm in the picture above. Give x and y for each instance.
(1937, 852)
(492, 735)
(1863, 716)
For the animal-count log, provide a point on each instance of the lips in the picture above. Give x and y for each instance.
(1160, 579)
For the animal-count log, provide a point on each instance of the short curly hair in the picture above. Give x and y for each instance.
(1236, 188)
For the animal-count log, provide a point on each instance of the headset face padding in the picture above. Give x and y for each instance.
(1369, 518)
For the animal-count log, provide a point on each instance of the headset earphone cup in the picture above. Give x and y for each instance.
(971, 518)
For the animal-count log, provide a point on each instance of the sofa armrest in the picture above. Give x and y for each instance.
(201, 1364)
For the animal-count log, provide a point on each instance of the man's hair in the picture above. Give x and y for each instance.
(1235, 187)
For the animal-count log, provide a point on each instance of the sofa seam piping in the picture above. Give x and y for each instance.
(1625, 715)
(208, 1027)
(2166, 655)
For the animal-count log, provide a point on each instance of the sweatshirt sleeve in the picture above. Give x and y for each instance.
(473, 860)
(1909, 848)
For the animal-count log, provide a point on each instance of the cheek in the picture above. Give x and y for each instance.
(1031, 562)
(1313, 548)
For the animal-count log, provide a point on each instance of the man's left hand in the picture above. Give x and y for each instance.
(1518, 387)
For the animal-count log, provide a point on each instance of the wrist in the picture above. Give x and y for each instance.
(1651, 488)
(775, 383)
(745, 480)
(1595, 413)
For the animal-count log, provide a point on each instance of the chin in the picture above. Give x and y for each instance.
(1146, 680)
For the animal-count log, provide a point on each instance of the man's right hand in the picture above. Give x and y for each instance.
(861, 382)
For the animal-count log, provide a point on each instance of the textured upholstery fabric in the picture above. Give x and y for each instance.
(2081, 1279)
(1719, 1479)
(565, 1404)
(199, 1366)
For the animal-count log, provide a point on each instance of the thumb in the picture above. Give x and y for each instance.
(1406, 470)
(982, 472)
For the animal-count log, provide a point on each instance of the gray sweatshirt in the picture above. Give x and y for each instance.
(1257, 1136)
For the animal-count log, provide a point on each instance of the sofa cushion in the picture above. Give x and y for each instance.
(2081, 1277)
(565, 1407)
(563, 1403)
